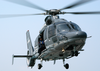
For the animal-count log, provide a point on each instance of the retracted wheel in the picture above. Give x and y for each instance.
(76, 53)
(39, 66)
(72, 53)
(66, 66)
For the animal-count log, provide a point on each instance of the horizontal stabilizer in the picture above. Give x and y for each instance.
(21, 56)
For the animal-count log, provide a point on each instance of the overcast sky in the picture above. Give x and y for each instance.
(13, 35)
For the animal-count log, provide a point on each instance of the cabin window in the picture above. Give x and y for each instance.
(63, 28)
(51, 31)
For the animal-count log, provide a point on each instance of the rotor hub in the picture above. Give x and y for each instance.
(53, 12)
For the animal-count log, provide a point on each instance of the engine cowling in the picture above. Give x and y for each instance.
(48, 20)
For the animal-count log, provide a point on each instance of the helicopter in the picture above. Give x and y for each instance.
(62, 39)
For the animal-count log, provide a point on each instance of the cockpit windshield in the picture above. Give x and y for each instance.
(63, 28)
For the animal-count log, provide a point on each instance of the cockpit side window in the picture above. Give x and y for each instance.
(75, 27)
(51, 31)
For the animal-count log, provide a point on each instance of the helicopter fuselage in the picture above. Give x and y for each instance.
(62, 39)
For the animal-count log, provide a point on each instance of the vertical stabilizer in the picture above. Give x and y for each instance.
(29, 44)
(30, 57)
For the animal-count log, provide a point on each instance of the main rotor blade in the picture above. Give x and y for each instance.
(26, 3)
(76, 4)
(95, 12)
(19, 15)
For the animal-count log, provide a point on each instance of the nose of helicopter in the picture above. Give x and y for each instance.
(80, 34)
(77, 34)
